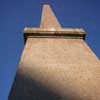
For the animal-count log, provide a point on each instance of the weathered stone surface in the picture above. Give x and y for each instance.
(56, 68)
(64, 67)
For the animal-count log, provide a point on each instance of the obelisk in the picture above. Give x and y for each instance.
(56, 64)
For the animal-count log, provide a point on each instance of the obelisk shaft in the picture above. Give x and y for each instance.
(63, 68)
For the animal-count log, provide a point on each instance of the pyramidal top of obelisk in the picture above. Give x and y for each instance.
(48, 19)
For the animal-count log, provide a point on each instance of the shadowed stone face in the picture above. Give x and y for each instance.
(25, 88)
(56, 69)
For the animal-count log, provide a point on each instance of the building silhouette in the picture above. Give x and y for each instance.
(56, 64)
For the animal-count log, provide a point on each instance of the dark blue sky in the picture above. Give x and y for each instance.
(16, 14)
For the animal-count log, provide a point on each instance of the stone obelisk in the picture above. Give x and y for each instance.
(56, 64)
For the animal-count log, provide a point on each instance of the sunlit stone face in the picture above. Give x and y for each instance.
(52, 29)
(52, 64)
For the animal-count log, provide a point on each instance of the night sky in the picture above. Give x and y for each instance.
(17, 14)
